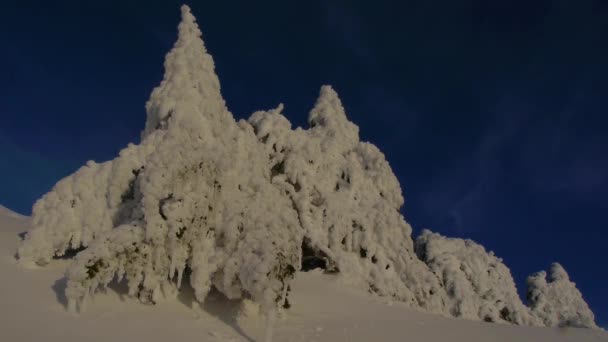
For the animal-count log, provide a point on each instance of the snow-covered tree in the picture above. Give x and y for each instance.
(237, 204)
(195, 194)
(347, 199)
(557, 301)
(242, 206)
(479, 286)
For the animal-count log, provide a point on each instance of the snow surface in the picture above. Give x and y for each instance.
(235, 208)
(325, 309)
(9, 213)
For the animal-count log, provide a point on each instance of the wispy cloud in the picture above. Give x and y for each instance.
(347, 28)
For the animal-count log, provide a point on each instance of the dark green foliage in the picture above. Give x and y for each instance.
(161, 203)
(129, 194)
(312, 258)
(363, 252)
(277, 169)
(284, 272)
(92, 270)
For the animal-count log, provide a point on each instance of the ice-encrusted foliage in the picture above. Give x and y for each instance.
(237, 205)
(348, 201)
(557, 301)
(194, 195)
(96, 198)
(241, 206)
(478, 285)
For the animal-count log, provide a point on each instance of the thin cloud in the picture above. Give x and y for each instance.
(347, 28)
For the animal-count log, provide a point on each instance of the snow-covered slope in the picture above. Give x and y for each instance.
(11, 214)
(33, 309)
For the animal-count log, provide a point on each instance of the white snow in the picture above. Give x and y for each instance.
(324, 309)
(238, 207)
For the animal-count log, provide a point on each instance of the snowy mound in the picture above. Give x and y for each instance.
(241, 206)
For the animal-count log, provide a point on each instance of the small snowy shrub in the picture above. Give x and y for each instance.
(557, 301)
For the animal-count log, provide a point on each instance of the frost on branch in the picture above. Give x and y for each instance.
(479, 286)
(557, 301)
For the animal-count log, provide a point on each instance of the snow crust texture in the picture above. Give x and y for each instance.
(241, 206)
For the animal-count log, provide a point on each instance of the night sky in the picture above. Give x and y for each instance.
(491, 113)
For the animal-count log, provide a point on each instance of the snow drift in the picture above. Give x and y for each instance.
(241, 206)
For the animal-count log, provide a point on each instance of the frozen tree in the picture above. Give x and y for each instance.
(479, 286)
(347, 199)
(194, 195)
(241, 206)
(238, 205)
(557, 301)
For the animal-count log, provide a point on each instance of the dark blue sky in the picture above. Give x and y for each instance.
(491, 113)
